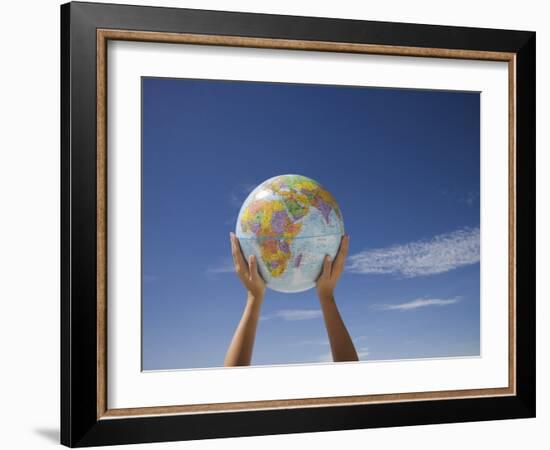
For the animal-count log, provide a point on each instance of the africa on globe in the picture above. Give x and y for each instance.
(290, 222)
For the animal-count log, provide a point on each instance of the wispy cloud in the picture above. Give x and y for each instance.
(239, 193)
(362, 353)
(236, 198)
(294, 314)
(225, 266)
(470, 198)
(314, 342)
(440, 254)
(360, 348)
(418, 303)
(325, 357)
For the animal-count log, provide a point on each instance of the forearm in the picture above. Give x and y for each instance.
(341, 344)
(242, 344)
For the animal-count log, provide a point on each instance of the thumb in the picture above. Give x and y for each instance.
(252, 267)
(326, 266)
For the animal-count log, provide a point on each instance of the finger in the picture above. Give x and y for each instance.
(233, 253)
(325, 273)
(339, 261)
(252, 267)
(233, 249)
(255, 274)
(241, 267)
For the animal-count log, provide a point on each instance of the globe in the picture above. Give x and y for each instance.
(290, 222)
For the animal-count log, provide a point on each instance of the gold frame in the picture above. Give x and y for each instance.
(104, 35)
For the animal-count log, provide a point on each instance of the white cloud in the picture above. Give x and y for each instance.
(239, 194)
(418, 303)
(325, 357)
(471, 197)
(359, 342)
(314, 342)
(362, 353)
(294, 314)
(440, 254)
(299, 314)
(225, 266)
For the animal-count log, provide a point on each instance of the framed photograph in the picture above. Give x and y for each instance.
(277, 224)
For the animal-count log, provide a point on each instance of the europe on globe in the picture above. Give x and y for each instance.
(290, 222)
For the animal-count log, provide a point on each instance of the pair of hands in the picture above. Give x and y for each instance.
(247, 271)
(239, 352)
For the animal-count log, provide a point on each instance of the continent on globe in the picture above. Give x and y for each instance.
(290, 222)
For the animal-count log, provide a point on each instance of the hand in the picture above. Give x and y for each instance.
(247, 272)
(332, 270)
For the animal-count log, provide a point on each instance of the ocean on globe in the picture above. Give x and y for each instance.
(290, 222)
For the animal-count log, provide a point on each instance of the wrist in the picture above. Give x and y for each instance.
(255, 298)
(326, 297)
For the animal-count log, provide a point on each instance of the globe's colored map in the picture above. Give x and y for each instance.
(290, 222)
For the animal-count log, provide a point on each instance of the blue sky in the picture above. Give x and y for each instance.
(404, 168)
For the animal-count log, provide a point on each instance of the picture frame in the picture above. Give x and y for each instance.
(86, 29)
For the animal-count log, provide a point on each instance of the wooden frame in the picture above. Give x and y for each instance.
(86, 418)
